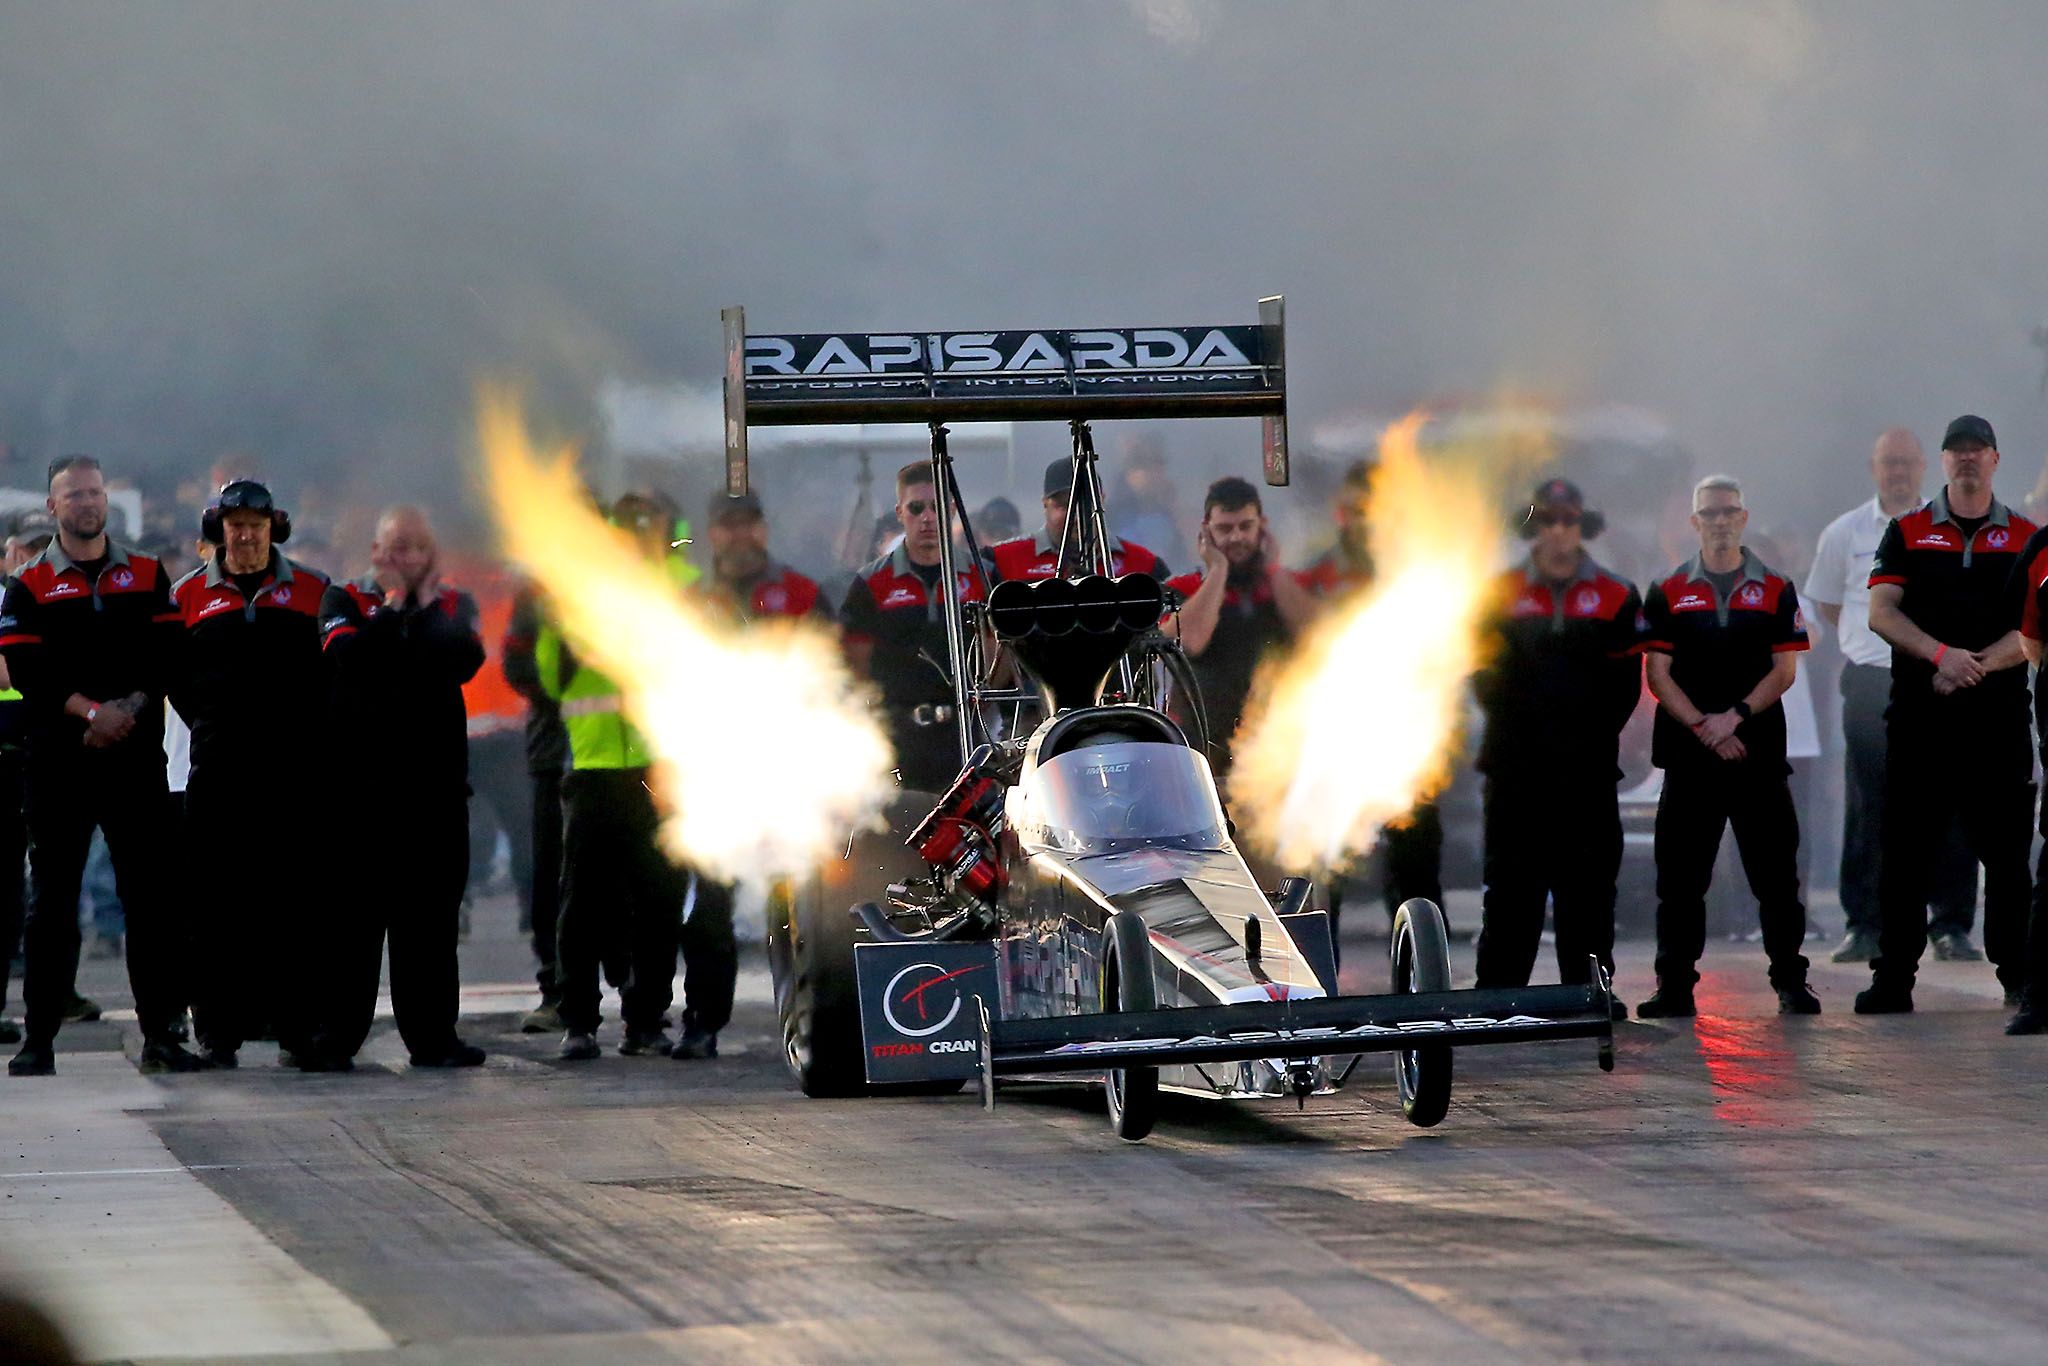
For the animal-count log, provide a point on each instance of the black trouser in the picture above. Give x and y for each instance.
(1936, 775)
(502, 800)
(711, 957)
(1952, 881)
(615, 877)
(251, 917)
(1411, 865)
(409, 891)
(928, 757)
(544, 893)
(13, 848)
(1552, 837)
(1699, 801)
(125, 797)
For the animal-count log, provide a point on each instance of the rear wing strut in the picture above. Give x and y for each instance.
(797, 379)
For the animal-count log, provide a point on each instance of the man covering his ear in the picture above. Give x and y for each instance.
(251, 686)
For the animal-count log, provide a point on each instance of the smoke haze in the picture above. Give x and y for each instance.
(301, 230)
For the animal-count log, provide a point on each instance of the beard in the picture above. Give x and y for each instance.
(741, 563)
(84, 525)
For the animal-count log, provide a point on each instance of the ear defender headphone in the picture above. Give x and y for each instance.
(1591, 523)
(243, 495)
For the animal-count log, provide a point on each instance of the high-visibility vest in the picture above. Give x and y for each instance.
(593, 711)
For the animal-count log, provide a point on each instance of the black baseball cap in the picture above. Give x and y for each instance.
(1553, 493)
(745, 508)
(1969, 427)
(1059, 477)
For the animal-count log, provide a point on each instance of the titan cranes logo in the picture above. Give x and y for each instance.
(966, 353)
(927, 995)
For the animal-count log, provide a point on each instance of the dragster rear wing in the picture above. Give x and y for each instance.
(798, 379)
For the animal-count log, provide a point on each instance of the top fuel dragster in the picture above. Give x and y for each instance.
(1075, 905)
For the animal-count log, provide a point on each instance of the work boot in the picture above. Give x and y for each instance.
(1953, 946)
(579, 1045)
(167, 1055)
(641, 1042)
(1798, 1000)
(1617, 1010)
(10, 1030)
(34, 1060)
(457, 1054)
(695, 1043)
(81, 1010)
(2031, 1019)
(1882, 998)
(1857, 946)
(545, 1018)
(1667, 1003)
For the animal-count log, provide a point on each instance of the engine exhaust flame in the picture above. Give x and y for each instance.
(1363, 720)
(765, 754)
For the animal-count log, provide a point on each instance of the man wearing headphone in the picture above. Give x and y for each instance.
(251, 686)
(1564, 675)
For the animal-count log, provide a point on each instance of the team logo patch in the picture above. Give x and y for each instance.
(1751, 596)
(775, 599)
(123, 578)
(282, 595)
(1587, 602)
(1996, 538)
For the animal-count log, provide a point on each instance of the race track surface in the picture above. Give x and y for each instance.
(1833, 1189)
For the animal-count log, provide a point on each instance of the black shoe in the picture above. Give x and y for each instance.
(1666, 1004)
(457, 1054)
(638, 1043)
(315, 1058)
(1617, 1010)
(226, 1059)
(579, 1046)
(695, 1043)
(1877, 999)
(1857, 946)
(10, 1031)
(545, 1018)
(180, 1029)
(167, 1055)
(34, 1060)
(2014, 998)
(81, 1010)
(1798, 1000)
(2029, 1021)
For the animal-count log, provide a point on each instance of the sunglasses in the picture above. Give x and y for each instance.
(919, 507)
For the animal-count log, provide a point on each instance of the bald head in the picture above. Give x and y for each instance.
(403, 551)
(1898, 466)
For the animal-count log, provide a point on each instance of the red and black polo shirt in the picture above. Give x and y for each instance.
(2031, 581)
(1338, 571)
(250, 682)
(1248, 628)
(1720, 649)
(1564, 670)
(1031, 558)
(897, 606)
(778, 591)
(103, 637)
(396, 677)
(1967, 588)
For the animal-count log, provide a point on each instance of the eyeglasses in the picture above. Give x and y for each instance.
(1719, 514)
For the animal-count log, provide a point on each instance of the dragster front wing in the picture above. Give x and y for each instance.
(955, 1037)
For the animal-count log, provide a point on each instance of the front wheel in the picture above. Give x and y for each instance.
(1422, 963)
(1127, 986)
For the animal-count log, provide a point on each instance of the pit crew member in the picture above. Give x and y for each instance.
(1946, 592)
(1723, 632)
(1563, 676)
(400, 644)
(90, 635)
(1034, 557)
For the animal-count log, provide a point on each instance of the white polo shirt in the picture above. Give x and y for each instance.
(1841, 576)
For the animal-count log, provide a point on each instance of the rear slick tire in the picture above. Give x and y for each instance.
(1422, 963)
(1127, 986)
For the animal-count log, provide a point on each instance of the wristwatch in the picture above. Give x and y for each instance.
(1741, 709)
(92, 713)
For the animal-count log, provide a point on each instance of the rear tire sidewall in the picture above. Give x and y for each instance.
(1421, 962)
(1127, 985)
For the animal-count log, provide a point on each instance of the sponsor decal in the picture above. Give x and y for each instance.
(923, 999)
(897, 1050)
(63, 588)
(1937, 540)
(215, 605)
(1531, 604)
(1690, 600)
(902, 597)
(1144, 349)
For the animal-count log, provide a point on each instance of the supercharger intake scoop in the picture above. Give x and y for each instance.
(1069, 633)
